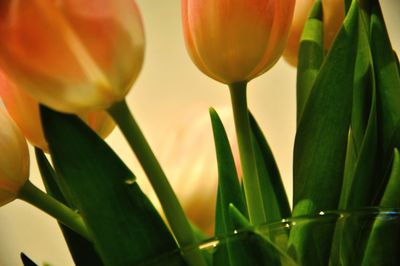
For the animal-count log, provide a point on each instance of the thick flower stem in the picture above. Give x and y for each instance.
(247, 157)
(54, 208)
(173, 210)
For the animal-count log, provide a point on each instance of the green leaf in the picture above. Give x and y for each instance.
(259, 243)
(275, 201)
(320, 144)
(360, 170)
(229, 191)
(387, 78)
(384, 240)
(311, 55)
(27, 261)
(82, 251)
(321, 138)
(391, 197)
(398, 61)
(125, 227)
(228, 182)
(251, 248)
(238, 218)
(388, 93)
(277, 255)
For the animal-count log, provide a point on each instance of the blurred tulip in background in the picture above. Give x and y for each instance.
(25, 112)
(333, 17)
(189, 158)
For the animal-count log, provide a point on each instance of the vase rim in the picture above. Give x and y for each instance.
(329, 216)
(290, 221)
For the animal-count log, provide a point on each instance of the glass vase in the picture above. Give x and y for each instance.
(364, 237)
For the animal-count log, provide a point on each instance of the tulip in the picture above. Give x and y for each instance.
(14, 159)
(333, 17)
(236, 41)
(25, 112)
(73, 56)
(14, 175)
(187, 152)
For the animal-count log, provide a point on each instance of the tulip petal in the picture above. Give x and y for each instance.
(233, 41)
(57, 59)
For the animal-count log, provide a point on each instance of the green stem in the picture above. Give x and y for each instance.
(169, 202)
(54, 208)
(247, 157)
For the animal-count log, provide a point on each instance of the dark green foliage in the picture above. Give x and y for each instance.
(125, 227)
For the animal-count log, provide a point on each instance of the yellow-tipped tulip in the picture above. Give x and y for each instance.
(14, 159)
(333, 18)
(233, 41)
(73, 56)
(25, 112)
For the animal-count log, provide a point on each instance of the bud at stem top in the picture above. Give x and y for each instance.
(234, 41)
(14, 159)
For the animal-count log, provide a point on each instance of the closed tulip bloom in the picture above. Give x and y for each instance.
(333, 17)
(14, 159)
(73, 56)
(234, 41)
(25, 112)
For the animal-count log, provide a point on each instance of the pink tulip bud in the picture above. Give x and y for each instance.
(71, 55)
(333, 17)
(25, 112)
(233, 41)
(14, 159)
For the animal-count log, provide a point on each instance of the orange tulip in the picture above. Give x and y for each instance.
(73, 56)
(333, 18)
(25, 112)
(233, 41)
(14, 159)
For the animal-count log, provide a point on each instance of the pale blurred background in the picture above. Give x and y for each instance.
(168, 87)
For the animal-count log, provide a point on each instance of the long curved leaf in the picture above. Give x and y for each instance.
(321, 138)
(382, 247)
(360, 170)
(229, 192)
(320, 144)
(82, 251)
(388, 93)
(387, 77)
(276, 203)
(125, 227)
(311, 56)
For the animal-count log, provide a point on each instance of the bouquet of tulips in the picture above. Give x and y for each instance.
(66, 67)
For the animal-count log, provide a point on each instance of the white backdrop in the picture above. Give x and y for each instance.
(167, 87)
